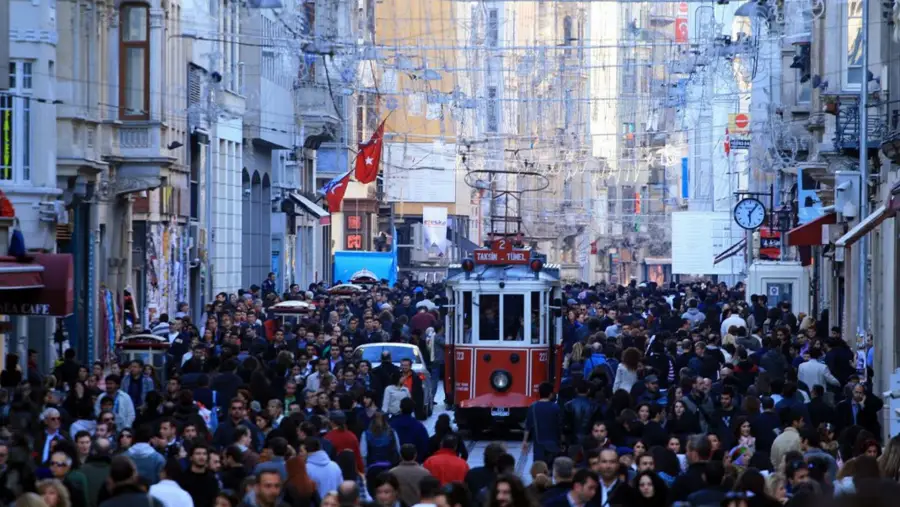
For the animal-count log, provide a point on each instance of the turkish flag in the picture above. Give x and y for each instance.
(369, 157)
(335, 190)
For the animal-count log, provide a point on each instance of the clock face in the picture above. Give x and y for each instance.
(750, 213)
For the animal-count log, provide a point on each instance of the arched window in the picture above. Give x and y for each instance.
(134, 62)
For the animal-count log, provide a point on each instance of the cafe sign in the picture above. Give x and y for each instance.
(25, 309)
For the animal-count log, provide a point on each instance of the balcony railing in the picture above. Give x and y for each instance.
(847, 129)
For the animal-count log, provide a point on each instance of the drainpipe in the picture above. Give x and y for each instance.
(863, 249)
(126, 266)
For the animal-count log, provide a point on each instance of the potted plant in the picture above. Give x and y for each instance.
(831, 104)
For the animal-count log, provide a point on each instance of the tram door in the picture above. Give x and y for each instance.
(449, 379)
(554, 320)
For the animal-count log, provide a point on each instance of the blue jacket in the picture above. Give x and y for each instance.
(146, 387)
(148, 462)
(410, 431)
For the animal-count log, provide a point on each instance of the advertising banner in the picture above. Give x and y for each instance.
(435, 222)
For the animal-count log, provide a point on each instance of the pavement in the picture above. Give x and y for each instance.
(512, 440)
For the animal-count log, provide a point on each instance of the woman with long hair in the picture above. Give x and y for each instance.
(442, 428)
(54, 493)
(743, 433)
(627, 371)
(752, 481)
(681, 422)
(577, 356)
(776, 488)
(346, 459)
(518, 494)
(394, 394)
(80, 407)
(651, 490)
(889, 462)
(379, 446)
(299, 489)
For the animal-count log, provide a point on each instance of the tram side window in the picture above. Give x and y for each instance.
(467, 317)
(489, 317)
(536, 317)
(514, 317)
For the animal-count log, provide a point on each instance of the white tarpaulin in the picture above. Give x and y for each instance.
(435, 222)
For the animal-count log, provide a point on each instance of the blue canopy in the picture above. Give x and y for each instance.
(382, 264)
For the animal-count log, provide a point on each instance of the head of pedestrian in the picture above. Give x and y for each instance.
(584, 486)
(268, 487)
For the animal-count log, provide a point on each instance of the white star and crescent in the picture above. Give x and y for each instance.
(369, 160)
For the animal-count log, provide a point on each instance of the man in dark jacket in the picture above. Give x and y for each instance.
(861, 409)
(126, 490)
(96, 469)
(819, 411)
(699, 452)
(563, 473)
(237, 413)
(766, 426)
(198, 480)
(578, 415)
(713, 493)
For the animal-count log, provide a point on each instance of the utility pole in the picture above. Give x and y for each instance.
(863, 250)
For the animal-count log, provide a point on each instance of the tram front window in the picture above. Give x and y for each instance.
(488, 315)
(514, 317)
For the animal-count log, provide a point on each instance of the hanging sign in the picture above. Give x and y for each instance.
(502, 252)
(435, 221)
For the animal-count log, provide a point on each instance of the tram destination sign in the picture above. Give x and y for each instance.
(502, 252)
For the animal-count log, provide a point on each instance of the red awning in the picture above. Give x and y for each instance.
(810, 233)
(53, 297)
(16, 275)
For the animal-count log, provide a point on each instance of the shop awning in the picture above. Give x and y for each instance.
(15, 275)
(53, 296)
(864, 226)
(312, 208)
(657, 261)
(730, 251)
(810, 233)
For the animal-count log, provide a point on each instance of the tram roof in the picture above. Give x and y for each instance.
(550, 273)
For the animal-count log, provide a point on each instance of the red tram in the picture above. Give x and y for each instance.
(504, 334)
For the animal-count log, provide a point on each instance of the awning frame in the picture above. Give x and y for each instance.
(865, 226)
(730, 251)
(312, 208)
(25, 275)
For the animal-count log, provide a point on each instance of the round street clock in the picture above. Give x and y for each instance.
(750, 213)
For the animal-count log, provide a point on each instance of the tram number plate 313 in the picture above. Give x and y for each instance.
(499, 412)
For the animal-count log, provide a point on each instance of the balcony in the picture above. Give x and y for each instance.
(847, 131)
(315, 106)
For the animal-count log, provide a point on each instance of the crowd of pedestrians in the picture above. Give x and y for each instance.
(677, 394)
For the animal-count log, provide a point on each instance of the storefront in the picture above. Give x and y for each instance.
(38, 285)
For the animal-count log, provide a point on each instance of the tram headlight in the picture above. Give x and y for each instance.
(501, 380)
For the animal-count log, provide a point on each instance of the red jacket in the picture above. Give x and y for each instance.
(447, 466)
(345, 440)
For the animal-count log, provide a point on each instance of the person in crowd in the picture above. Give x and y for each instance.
(198, 480)
(167, 489)
(324, 472)
(409, 473)
(122, 404)
(445, 464)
